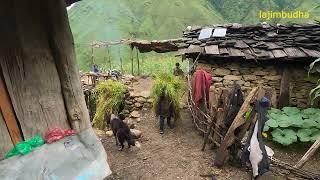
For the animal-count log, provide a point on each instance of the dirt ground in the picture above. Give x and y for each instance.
(174, 155)
(177, 153)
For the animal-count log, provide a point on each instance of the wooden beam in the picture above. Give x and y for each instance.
(284, 96)
(5, 140)
(8, 114)
(308, 154)
(230, 137)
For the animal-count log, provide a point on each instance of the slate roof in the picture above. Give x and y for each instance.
(258, 42)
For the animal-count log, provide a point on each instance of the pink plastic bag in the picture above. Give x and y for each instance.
(57, 134)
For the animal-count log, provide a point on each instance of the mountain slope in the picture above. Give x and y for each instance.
(103, 20)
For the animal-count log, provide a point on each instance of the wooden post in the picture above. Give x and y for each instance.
(284, 88)
(230, 137)
(308, 154)
(121, 66)
(109, 60)
(138, 61)
(206, 137)
(8, 114)
(131, 60)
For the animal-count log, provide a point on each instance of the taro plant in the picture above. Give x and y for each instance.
(291, 125)
(171, 86)
(110, 96)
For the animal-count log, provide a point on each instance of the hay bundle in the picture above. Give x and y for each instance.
(110, 96)
(171, 86)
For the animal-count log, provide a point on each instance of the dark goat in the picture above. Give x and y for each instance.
(121, 132)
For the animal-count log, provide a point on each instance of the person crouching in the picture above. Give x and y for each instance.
(164, 110)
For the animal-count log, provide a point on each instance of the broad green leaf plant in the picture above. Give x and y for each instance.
(291, 125)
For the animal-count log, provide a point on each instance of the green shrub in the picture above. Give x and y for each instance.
(110, 95)
(291, 124)
(172, 87)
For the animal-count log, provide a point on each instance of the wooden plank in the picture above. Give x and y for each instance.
(235, 52)
(248, 54)
(194, 49)
(29, 68)
(308, 154)
(8, 114)
(212, 49)
(284, 97)
(294, 52)
(5, 141)
(241, 45)
(223, 51)
(311, 52)
(230, 137)
(279, 53)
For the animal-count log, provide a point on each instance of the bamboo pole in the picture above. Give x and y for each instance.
(308, 154)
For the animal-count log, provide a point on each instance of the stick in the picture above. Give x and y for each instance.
(209, 130)
(308, 154)
(138, 61)
(131, 60)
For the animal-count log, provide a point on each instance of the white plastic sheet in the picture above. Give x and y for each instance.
(80, 157)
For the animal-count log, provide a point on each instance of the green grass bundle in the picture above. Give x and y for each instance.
(170, 86)
(110, 95)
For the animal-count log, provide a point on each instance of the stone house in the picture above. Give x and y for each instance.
(274, 56)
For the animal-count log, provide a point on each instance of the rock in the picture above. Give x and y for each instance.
(136, 120)
(261, 73)
(128, 102)
(249, 77)
(221, 72)
(136, 133)
(141, 100)
(126, 111)
(272, 78)
(135, 114)
(247, 84)
(218, 85)
(232, 78)
(217, 79)
(109, 133)
(244, 71)
(227, 82)
(235, 73)
(150, 100)
(145, 94)
(240, 82)
(138, 105)
(99, 132)
(233, 67)
(272, 72)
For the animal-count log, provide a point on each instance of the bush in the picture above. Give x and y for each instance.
(172, 87)
(110, 96)
(291, 124)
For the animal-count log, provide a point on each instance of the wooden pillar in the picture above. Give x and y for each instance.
(61, 41)
(284, 96)
(27, 60)
(132, 60)
(138, 61)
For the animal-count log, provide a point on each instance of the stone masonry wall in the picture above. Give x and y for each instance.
(249, 75)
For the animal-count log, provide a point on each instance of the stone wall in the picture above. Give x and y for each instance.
(137, 101)
(249, 75)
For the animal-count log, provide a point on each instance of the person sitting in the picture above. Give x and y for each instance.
(164, 110)
(95, 69)
(178, 71)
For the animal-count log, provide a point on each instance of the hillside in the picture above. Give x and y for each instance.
(152, 19)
